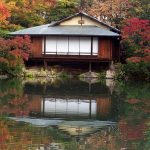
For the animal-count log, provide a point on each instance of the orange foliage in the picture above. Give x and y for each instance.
(4, 12)
(134, 59)
(133, 101)
(108, 10)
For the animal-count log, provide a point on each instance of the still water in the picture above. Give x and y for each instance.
(74, 115)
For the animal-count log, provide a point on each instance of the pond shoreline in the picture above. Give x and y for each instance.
(61, 73)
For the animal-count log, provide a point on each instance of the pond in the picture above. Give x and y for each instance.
(51, 114)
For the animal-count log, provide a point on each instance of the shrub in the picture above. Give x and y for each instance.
(138, 70)
(102, 75)
(3, 33)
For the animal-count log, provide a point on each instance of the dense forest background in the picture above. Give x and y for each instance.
(18, 14)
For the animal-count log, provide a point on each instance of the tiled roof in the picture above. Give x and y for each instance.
(48, 29)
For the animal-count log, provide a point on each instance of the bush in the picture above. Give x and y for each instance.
(102, 75)
(140, 71)
(3, 33)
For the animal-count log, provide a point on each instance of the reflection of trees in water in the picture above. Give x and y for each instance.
(22, 136)
(9, 89)
(12, 97)
(134, 114)
(18, 136)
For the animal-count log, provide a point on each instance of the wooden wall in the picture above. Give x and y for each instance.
(105, 48)
(37, 46)
(109, 48)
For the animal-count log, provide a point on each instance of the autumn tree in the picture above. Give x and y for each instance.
(140, 9)
(136, 37)
(5, 25)
(4, 12)
(135, 41)
(13, 52)
(23, 13)
(28, 13)
(109, 11)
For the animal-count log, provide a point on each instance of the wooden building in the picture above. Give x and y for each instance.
(76, 38)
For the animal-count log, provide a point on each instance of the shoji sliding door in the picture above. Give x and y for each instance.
(71, 45)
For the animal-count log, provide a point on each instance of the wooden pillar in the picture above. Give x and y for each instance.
(44, 46)
(91, 45)
(43, 113)
(45, 64)
(90, 67)
(90, 87)
(90, 108)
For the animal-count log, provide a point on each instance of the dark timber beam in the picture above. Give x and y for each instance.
(90, 66)
(91, 45)
(44, 45)
(45, 64)
(90, 108)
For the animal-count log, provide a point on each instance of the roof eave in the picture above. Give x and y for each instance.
(65, 35)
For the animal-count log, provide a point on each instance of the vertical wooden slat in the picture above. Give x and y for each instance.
(91, 45)
(44, 45)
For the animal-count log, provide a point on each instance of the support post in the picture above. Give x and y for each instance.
(45, 64)
(44, 46)
(91, 45)
(90, 108)
(90, 67)
(43, 111)
(90, 87)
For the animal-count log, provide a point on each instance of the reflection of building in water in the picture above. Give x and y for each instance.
(35, 103)
(62, 107)
(68, 108)
(103, 107)
(72, 108)
(80, 128)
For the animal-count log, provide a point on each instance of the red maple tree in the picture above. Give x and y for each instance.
(18, 47)
(136, 32)
(13, 53)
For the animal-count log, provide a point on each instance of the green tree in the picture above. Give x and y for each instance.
(140, 9)
(62, 9)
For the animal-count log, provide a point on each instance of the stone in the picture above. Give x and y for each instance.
(110, 74)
